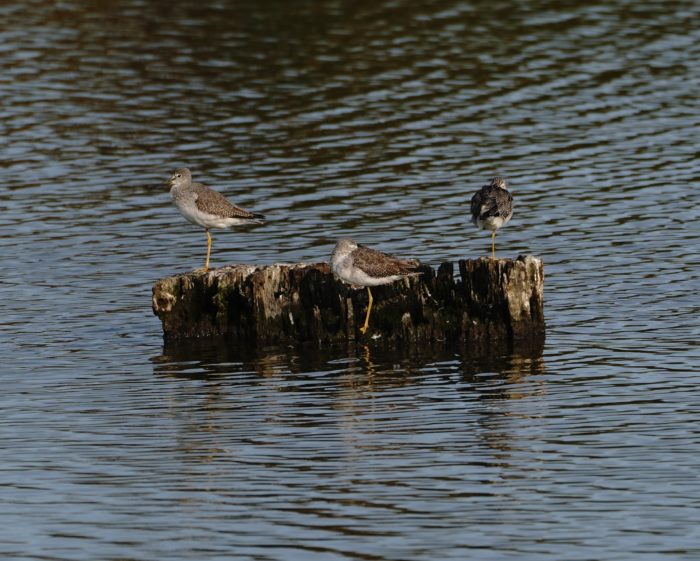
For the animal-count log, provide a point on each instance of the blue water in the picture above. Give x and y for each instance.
(375, 120)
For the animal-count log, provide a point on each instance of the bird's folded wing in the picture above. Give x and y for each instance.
(378, 265)
(491, 202)
(212, 202)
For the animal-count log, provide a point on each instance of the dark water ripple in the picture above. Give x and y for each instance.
(376, 120)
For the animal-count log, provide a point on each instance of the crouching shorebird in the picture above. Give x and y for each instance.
(492, 207)
(361, 266)
(205, 207)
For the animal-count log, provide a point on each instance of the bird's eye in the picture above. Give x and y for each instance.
(178, 175)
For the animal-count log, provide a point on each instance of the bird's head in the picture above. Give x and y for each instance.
(181, 176)
(345, 245)
(342, 248)
(499, 182)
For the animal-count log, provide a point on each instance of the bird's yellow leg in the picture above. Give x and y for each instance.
(493, 244)
(206, 263)
(369, 309)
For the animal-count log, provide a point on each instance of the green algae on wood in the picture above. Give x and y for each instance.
(492, 301)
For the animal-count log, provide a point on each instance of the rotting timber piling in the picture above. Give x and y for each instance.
(497, 301)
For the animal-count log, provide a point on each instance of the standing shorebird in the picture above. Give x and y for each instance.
(492, 207)
(361, 266)
(205, 207)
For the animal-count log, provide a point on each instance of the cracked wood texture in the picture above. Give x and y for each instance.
(492, 302)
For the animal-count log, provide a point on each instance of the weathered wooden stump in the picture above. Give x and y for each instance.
(493, 301)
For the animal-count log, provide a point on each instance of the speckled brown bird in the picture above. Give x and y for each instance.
(205, 207)
(361, 266)
(492, 208)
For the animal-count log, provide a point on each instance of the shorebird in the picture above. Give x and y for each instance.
(492, 207)
(361, 266)
(205, 207)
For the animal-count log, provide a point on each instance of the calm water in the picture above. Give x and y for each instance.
(377, 120)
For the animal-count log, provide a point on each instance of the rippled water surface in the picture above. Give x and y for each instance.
(376, 120)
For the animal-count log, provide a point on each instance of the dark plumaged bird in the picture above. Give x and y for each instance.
(492, 208)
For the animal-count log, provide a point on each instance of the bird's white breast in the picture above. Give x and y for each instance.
(492, 222)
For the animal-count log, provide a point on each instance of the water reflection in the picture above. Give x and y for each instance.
(345, 392)
(378, 363)
(296, 432)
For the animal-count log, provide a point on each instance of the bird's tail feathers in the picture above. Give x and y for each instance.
(409, 266)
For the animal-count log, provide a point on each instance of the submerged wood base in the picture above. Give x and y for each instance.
(494, 301)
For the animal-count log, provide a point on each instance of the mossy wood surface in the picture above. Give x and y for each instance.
(493, 301)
